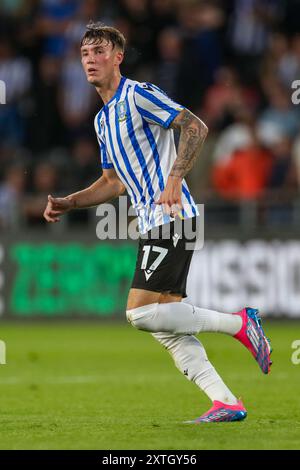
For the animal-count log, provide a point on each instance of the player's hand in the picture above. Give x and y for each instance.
(57, 206)
(170, 198)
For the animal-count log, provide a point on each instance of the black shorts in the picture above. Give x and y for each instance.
(163, 259)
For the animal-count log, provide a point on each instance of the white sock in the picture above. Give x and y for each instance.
(183, 318)
(191, 359)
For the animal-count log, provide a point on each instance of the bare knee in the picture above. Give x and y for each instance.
(142, 309)
(139, 298)
(166, 298)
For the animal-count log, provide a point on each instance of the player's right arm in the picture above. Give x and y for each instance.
(107, 187)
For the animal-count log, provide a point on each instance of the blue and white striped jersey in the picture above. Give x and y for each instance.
(135, 139)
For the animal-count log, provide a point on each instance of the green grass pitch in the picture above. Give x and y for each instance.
(108, 386)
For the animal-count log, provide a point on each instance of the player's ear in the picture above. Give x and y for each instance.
(119, 57)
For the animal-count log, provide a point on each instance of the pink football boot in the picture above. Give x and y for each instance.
(252, 336)
(221, 412)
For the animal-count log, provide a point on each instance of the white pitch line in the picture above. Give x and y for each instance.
(10, 380)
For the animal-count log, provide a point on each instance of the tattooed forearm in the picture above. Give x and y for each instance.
(192, 136)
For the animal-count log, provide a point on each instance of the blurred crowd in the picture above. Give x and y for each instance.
(234, 63)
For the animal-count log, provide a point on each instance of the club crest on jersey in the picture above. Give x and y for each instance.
(121, 110)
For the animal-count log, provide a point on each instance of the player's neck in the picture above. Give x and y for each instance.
(108, 88)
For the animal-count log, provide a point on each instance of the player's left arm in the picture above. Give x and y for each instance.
(192, 135)
(193, 132)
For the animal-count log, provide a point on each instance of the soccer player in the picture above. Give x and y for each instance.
(135, 133)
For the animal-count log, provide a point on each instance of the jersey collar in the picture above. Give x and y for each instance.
(118, 92)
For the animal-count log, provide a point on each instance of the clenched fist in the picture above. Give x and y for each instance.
(56, 207)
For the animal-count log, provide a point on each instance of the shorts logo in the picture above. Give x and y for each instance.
(175, 238)
(121, 110)
(148, 273)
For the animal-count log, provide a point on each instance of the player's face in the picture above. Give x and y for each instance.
(99, 61)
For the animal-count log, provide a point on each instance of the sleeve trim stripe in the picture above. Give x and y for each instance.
(175, 113)
(107, 166)
(104, 154)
